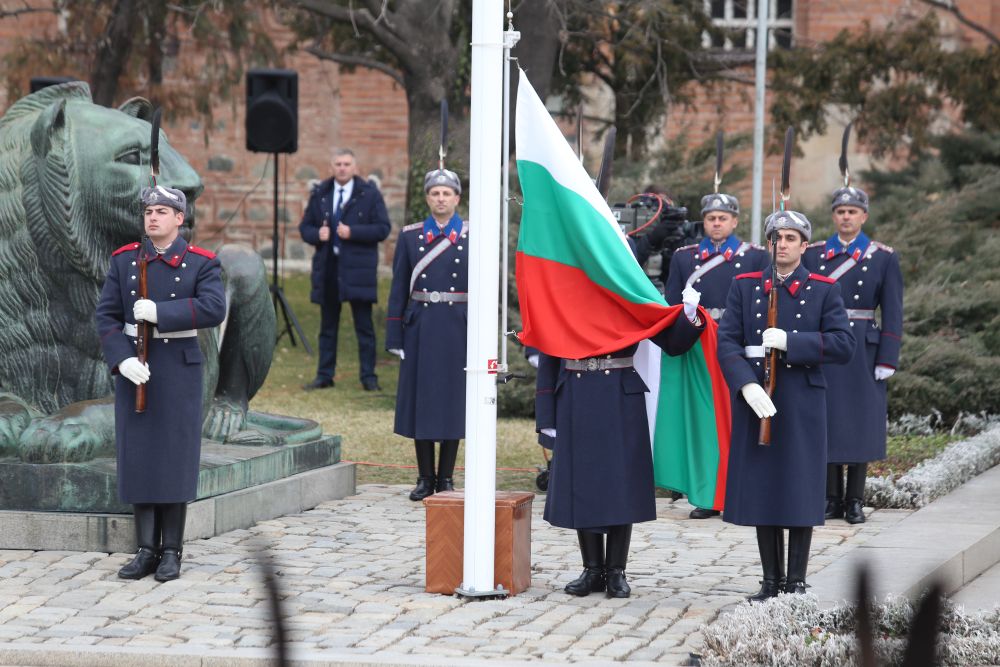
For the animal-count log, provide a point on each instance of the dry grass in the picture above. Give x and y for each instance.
(364, 419)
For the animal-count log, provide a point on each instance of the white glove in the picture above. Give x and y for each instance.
(134, 371)
(883, 372)
(533, 360)
(144, 310)
(398, 353)
(775, 338)
(551, 432)
(690, 298)
(758, 400)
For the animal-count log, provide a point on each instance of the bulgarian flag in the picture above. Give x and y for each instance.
(583, 294)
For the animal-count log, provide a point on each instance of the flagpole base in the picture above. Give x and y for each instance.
(472, 594)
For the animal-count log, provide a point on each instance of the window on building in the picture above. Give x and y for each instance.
(737, 20)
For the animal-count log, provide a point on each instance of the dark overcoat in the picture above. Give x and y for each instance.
(783, 484)
(714, 276)
(855, 401)
(159, 450)
(602, 464)
(348, 265)
(430, 397)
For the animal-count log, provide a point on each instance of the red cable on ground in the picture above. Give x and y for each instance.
(409, 467)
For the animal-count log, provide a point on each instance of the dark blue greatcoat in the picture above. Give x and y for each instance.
(740, 257)
(355, 260)
(159, 451)
(430, 397)
(855, 401)
(783, 484)
(602, 464)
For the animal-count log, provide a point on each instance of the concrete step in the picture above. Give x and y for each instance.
(953, 540)
(982, 593)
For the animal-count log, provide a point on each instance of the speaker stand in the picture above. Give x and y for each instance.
(277, 294)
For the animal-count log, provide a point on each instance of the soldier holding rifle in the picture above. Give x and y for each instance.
(869, 275)
(159, 449)
(781, 485)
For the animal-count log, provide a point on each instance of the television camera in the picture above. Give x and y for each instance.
(643, 213)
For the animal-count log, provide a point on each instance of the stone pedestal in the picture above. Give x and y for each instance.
(75, 507)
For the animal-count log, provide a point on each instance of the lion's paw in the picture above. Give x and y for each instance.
(14, 418)
(53, 440)
(224, 420)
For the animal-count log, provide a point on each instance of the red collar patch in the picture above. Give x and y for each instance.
(125, 248)
(201, 251)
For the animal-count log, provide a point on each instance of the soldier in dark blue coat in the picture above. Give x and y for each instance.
(870, 280)
(711, 265)
(159, 450)
(781, 485)
(345, 220)
(592, 413)
(426, 327)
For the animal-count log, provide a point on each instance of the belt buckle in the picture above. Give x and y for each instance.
(592, 364)
(435, 297)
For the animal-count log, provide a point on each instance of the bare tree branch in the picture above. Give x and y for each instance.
(358, 61)
(380, 28)
(951, 6)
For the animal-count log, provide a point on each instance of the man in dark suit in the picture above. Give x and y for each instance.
(345, 220)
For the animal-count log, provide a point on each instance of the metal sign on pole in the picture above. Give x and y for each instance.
(760, 109)
(484, 279)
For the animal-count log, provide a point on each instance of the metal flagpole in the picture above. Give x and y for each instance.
(510, 39)
(484, 274)
(760, 109)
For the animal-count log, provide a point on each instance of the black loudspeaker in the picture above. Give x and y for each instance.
(272, 111)
(39, 82)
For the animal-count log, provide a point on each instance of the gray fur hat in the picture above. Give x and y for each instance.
(849, 196)
(788, 220)
(720, 202)
(160, 194)
(442, 177)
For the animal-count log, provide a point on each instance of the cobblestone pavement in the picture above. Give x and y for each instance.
(352, 572)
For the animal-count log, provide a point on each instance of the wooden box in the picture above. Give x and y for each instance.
(512, 547)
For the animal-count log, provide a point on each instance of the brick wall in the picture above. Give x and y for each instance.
(365, 110)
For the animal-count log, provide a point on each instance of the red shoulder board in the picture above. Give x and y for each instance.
(752, 274)
(201, 251)
(126, 247)
(822, 278)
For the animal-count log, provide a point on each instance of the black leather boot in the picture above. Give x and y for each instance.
(446, 465)
(834, 491)
(147, 536)
(172, 518)
(619, 538)
(771, 545)
(592, 579)
(799, 540)
(702, 513)
(856, 474)
(425, 468)
(854, 511)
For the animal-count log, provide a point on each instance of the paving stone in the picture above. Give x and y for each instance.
(351, 577)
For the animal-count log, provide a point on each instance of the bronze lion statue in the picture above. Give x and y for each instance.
(70, 176)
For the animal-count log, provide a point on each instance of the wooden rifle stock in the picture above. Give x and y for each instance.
(770, 362)
(142, 330)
